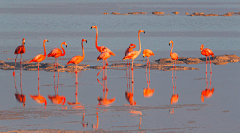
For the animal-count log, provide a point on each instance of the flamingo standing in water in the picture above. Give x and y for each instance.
(134, 54)
(129, 49)
(19, 50)
(207, 52)
(56, 52)
(77, 59)
(103, 56)
(101, 49)
(147, 53)
(38, 58)
(174, 57)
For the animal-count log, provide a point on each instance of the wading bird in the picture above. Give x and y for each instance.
(19, 50)
(207, 52)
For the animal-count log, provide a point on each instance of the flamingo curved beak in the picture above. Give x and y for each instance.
(169, 44)
(86, 41)
(144, 32)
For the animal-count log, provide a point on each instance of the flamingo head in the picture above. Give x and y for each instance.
(94, 27)
(170, 42)
(64, 43)
(104, 49)
(141, 31)
(202, 46)
(45, 40)
(132, 45)
(84, 40)
(23, 41)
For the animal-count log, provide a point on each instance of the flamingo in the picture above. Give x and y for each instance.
(174, 57)
(147, 53)
(129, 49)
(208, 92)
(56, 52)
(100, 48)
(19, 50)
(207, 52)
(103, 56)
(134, 54)
(38, 58)
(77, 59)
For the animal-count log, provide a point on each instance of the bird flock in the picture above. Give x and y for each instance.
(105, 53)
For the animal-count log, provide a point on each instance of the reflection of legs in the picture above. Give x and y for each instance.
(210, 80)
(76, 74)
(38, 78)
(206, 77)
(57, 67)
(175, 69)
(15, 65)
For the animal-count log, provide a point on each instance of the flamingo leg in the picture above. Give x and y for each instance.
(57, 67)
(210, 65)
(175, 69)
(20, 74)
(38, 79)
(127, 68)
(210, 81)
(106, 70)
(132, 76)
(206, 80)
(206, 64)
(54, 67)
(76, 74)
(15, 65)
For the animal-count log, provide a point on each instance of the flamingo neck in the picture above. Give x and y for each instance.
(44, 48)
(64, 100)
(171, 49)
(62, 50)
(96, 39)
(139, 41)
(83, 54)
(45, 102)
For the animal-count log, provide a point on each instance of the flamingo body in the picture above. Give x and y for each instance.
(76, 59)
(38, 58)
(57, 99)
(20, 49)
(56, 52)
(147, 53)
(174, 98)
(129, 49)
(103, 56)
(105, 101)
(129, 97)
(174, 56)
(132, 55)
(147, 92)
(39, 99)
(206, 51)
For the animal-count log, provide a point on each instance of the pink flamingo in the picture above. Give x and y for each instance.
(56, 52)
(147, 53)
(129, 49)
(38, 58)
(174, 57)
(19, 50)
(207, 52)
(77, 59)
(103, 56)
(134, 54)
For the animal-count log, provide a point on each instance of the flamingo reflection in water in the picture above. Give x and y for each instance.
(104, 100)
(148, 92)
(208, 92)
(137, 113)
(129, 94)
(76, 104)
(20, 97)
(56, 99)
(174, 98)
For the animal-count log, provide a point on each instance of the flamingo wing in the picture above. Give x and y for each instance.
(174, 56)
(103, 56)
(131, 55)
(56, 52)
(38, 58)
(105, 49)
(76, 60)
(20, 50)
(147, 52)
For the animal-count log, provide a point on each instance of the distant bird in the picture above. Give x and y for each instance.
(77, 59)
(19, 50)
(207, 52)
(134, 54)
(174, 56)
(56, 52)
(100, 48)
(39, 58)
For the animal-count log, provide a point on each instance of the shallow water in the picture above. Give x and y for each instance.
(71, 21)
